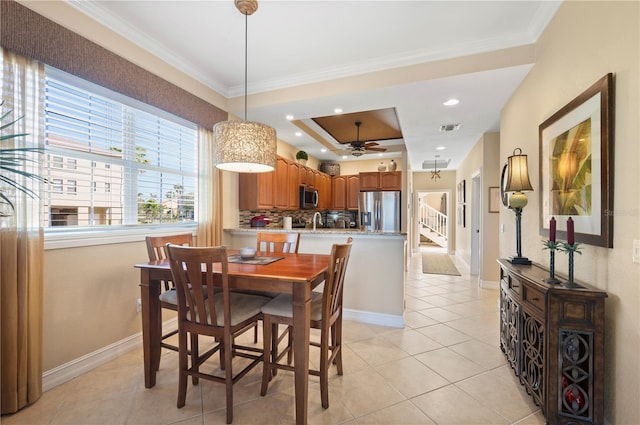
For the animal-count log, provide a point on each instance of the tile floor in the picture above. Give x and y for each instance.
(444, 367)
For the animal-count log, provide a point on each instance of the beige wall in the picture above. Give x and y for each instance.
(483, 161)
(490, 222)
(583, 42)
(90, 299)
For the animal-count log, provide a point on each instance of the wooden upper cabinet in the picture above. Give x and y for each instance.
(339, 193)
(305, 176)
(281, 184)
(323, 186)
(256, 190)
(353, 190)
(391, 180)
(314, 178)
(369, 181)
(293, 185)
(280, 189)
(386, 180)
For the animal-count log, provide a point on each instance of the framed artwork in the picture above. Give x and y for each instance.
(576, 166)
(494, 199)
(461, 192)
(460, 213)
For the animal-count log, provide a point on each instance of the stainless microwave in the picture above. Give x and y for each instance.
(308, 198)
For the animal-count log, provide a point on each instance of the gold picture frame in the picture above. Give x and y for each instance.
(576, 166)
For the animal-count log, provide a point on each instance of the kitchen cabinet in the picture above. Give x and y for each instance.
(307, 177)
(281, 192)
(553, 338)
(256, 190)
(280, 188)
(353, 190)
(345, 190)
(293, 185)
(385, 180)
(339, 193)
(323, 185)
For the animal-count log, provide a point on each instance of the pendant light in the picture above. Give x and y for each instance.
(243, 146)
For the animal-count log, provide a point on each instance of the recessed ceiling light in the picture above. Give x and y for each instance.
(337, 110)
(440, 148)
(298, 133)
(379, 154)
(451, 102)
(344, 157)
(323, 150)
(289, 117)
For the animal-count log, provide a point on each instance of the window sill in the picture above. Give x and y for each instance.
(60, 239)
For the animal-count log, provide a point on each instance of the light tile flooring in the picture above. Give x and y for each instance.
(444, 367)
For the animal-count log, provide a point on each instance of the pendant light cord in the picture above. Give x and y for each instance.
(246, 48)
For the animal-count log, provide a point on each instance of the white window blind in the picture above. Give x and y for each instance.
(127, 165)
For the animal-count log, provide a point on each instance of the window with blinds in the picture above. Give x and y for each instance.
(112, 161)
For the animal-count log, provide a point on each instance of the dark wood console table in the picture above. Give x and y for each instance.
(553, 338)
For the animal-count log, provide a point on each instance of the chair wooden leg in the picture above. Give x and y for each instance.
(337, 331)
(275, 334)
(267, 347)
(221, 351)
(290, 345)
(159, 333)
(183, 364)
(255, 334)
(324, 369)
(194, 355)
(228, 357)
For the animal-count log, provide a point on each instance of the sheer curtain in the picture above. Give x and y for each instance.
(209, 192)
(21, 239)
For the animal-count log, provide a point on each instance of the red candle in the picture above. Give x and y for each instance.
(570, 235)
(552, 229)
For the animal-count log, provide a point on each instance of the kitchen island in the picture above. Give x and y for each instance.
(374, 285)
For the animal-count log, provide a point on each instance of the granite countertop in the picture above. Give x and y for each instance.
(309, 230)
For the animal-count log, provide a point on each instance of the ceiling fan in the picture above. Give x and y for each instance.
(359, 148)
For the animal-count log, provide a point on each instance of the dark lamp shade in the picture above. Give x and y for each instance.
(518, 179)
(244, 147)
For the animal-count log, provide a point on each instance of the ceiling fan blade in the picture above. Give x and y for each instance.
(369, 144)
(376, 149)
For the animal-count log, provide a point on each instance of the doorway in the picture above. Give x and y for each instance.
(476, 208)
(433, 208)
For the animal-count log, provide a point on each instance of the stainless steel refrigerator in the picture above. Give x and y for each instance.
(379, 211)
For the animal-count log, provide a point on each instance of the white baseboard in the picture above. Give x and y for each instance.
(66, 372)
(381, 319)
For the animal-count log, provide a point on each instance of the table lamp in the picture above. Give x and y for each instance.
(518, 182)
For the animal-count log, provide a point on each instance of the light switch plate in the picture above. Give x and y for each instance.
(636, 251)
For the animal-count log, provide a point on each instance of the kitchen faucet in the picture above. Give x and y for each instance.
(317, 213)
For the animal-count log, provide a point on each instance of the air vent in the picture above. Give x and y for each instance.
(430, 164)
(450, 127)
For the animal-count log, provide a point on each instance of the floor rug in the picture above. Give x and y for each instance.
(438, 264)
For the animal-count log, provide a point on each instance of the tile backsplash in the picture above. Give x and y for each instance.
(329, 217)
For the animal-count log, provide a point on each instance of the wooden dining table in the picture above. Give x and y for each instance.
(295, 274)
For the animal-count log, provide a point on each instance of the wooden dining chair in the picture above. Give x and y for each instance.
(326, 315)
(269, 242)
(157, 250)
(223, 315)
